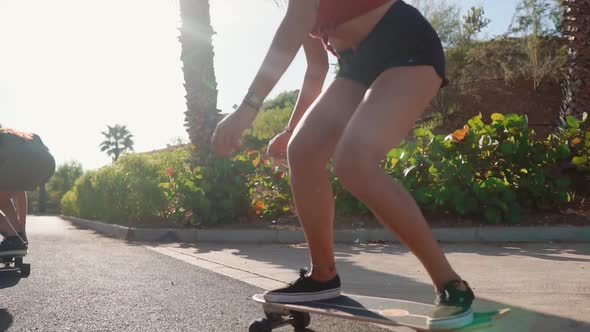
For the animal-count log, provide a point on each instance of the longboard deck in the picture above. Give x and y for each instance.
(391, 312)
(2, 255)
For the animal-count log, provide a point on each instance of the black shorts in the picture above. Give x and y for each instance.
(402, 38)
(24, 165)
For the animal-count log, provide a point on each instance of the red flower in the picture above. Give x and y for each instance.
(460, 134)
(170, 172)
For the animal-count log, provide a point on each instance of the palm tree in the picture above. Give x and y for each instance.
(576, 29)
(202, 114)
(118, 140)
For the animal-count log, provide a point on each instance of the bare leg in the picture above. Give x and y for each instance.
(382, 121)
(311, 147)
(21, 203)
(9, 214)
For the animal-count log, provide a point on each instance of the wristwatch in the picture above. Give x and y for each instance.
(288, 129)
(252, 99)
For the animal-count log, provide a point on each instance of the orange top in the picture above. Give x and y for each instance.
(332, 13)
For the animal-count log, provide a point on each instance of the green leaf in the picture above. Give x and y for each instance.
(508, 148)
(461, 202)
(432, 170)
(563, 182)
(471, 204)
(580, 161)
(422, 132)
(514, 215)
(423, 195)
(475, 122)
(563, 151)
(493, 214)
(572, 121)
(497, 117)
(396, 153)
(508, 196)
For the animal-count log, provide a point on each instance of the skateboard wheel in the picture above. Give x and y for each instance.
(273, 316)
(261, 325)
(25, 270)
(300, 320)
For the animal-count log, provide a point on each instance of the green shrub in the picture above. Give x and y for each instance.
(125, 192)
(492, 170)
(575, 136)
(205, 195)
(86, 197)
(69, 204)
(269, 189)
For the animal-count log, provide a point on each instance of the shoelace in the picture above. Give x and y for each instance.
(445, 295)
(302, 275)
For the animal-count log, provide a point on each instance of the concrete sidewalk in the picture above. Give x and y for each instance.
(546, 285)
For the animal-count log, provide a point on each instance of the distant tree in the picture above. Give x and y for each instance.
(42, 198)
(536, 17)
(473, 23)
(444, 17)
(118, 140)
(62, 181)
(271, 120)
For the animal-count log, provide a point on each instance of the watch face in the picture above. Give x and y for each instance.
(252, 96)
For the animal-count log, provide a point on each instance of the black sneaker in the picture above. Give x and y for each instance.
(453, 307)
(14, 245)
(305, 289)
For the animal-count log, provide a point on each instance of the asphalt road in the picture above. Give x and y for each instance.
(81, 281)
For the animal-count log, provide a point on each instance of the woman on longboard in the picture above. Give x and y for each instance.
(391, 65)
(25, 163)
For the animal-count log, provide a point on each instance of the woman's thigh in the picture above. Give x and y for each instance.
(316, 135)
(387, 114)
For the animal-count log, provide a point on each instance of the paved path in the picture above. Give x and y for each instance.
(81, 281)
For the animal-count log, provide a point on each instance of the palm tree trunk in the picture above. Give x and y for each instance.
(199, 75)
(576, 87)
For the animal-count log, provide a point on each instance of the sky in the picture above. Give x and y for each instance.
(69, 68)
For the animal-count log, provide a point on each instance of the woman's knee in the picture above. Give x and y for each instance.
(354, 165)
(303, 154)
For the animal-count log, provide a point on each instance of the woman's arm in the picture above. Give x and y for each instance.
(315, 76)
(291, 34)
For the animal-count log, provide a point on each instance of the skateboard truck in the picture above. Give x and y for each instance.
(15, 264)
(276, 318)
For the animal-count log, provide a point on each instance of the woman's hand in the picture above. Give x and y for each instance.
(277, 147)
(20, 134)
(226, 138)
